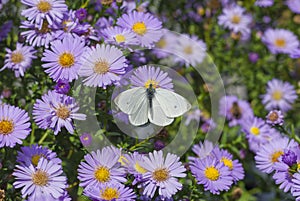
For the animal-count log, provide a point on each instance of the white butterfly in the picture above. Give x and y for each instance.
(158, 105)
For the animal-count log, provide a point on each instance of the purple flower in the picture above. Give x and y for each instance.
(192, 115)
(62, 87)
(214, 175)
(101, 167)
(264, 3)
(253, 57)
(133, 163)
(283, 177)
(103, 23)
(42, 182)
(158, 145)
(162, 174)
(40, 10)
(34, 153)
(63, 60)
(295, 54)
(275, 117)
(280, 95)
(20, 59)
(271, 152)
(5, 29)
(110, 192)
(147, 28)
(120, 36)
(145, 75)
(294, 5)
(102, 65)
(14, 125)
(280, 41)
(86, 139)
(165, 46)
(235, 110)
(81, 14)
(289, 158)
(202, 150)
(56, 111)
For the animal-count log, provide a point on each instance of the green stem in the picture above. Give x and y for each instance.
(44, 137)
(138, 144)
(32, 138)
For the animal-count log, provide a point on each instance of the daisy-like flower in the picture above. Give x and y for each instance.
(235, 110)
(146, 75)
(283, 176)
(236, 168)
(280, 95)
(202, 150)
(296, 186)
(235, 19)
(62, 87)
(192, 115)
(56, 111)
(257, 131)
(119, 36)
(67, 26)
(214, 175)
(101, 167)
(63, 60)
(20, 59)
(294, 5)
(275, 117)
(33, 154)
(280, 41)
(146, 27)
(162, 173)
(110, 192)
(190, 50)
(165, 45)
(86, 139)
(39, 10)
(264, 3)
(14, 125)
(270, 153)
(102, 65)
(38, 37)
(42, 182)
(133, 163)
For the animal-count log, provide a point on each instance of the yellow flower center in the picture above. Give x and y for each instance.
(277, 95)
(161, 43)
(44, 6)
(66, 60)
(279, 42)
(120, 38)
(188, 50)
(101, 67)
(63, 112)
(45, 28)
(110, 194)
(40, 178)
(17, 57)
(122, 160)
(160, 175)
(6, 127)
(236, 19)
(276, 155)
(139, 168)
(139, 28)
(212, 173)
(106, 2)
(254, 130)
(102, 174)
(35, 159)
(227, 162)
(153, 82)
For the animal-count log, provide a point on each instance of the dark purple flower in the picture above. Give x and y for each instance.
(86, 139)
(158, 145)
(62, 87)
(253, 57)
(81, 13)
(6, 93)
(289, 158)
(5, 29)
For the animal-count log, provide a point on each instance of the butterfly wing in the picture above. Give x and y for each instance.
(172, 104)
(157, 116)
(129, 101)
(140, 117)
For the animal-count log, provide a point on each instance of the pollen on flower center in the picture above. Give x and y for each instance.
(139, 28)
(212, 173)
(40, 178)
(254, 130)
(227, 162)
(66, 60)
(120, 38)
(236, 111)
(139, 168)
(188, 50)
(6, 127)
(63, 112)
(17, 57)
(44, 6)
(276, 155)
(106, 2)
(153, 82)
(35, 159)
(161, 174)
(102, 174)
(101, 67)
(236, 19)
(110, 194)
(45, 28)
(273, 116)
(280, 42)
(277, 95)
(161, 43)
